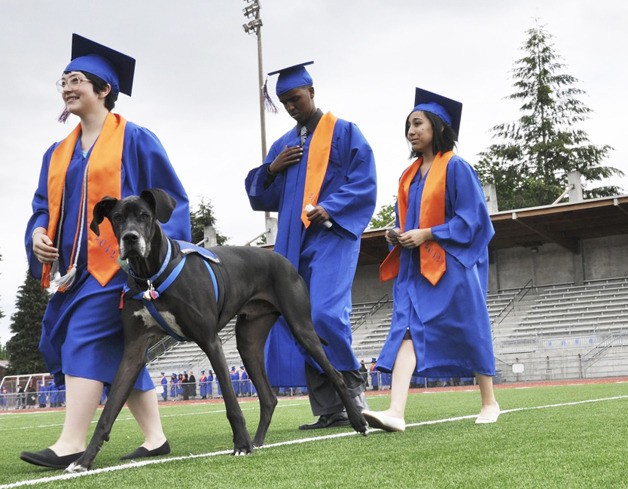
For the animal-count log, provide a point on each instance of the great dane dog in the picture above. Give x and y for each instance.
(253, 283)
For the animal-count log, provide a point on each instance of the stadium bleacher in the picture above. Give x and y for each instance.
(525, 326)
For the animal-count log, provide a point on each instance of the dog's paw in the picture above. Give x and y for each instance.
(75, 468)
(238, 452)
(359, 424)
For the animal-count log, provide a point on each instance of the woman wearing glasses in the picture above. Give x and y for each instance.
(81, 338)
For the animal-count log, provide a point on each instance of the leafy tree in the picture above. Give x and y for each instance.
(201, 217)
(261, 241)
(23, 347)
(384, 218)
(532, 156)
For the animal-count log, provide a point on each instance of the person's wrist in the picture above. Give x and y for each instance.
(38, 231)
(269, 171)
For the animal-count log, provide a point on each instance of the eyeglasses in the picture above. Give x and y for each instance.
(72, 83)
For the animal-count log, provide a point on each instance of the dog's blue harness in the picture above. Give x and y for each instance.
(152, 293)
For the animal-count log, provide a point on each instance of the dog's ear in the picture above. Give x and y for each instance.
(102, 210)
(161, 202)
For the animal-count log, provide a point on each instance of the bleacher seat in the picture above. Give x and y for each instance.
(555, 311)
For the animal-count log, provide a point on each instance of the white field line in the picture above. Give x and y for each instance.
(162, 460)
(131, 418)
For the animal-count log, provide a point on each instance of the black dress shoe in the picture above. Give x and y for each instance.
(142, 452)
(48, 458)
(328, 421)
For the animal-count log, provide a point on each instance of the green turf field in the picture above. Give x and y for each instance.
(548, 437)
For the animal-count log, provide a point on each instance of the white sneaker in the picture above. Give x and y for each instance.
(383, 421)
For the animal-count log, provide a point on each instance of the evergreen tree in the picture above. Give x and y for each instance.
(531, 157)
(23, 347)
(201, 217)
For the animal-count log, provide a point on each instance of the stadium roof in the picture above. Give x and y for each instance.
(564, 224)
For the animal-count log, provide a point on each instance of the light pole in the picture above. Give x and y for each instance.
(254, 26)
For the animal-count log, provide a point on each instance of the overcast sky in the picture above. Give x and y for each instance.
(196, 84)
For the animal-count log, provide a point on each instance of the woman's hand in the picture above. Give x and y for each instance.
(289, 156)
(392, 236)
(43, 249)
(415, 237)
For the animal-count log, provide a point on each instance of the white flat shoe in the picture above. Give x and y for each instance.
(383, 421)
(492, 418)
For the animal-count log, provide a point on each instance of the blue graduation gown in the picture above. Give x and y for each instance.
(449, 322)
(164, 386)
(235, 382)
(245, 383)
(325, 258)
(203, 385)
(82, 330)
(210, 381)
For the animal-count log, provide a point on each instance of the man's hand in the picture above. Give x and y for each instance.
(289, 156)
(318, 215)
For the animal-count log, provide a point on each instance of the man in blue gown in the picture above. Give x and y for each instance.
(320, 178)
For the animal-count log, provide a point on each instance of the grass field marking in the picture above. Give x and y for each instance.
(563, 404)
(131, 418)
(115, 468)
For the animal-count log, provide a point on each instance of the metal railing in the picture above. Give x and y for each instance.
(367, 314)
(509, 307)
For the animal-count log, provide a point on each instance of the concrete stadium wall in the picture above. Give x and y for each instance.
(552, 264)
(367, 287)
(563, 361)
(606, 257)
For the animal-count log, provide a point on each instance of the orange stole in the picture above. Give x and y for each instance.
(317, 161)
(104, 177)
(432, 255)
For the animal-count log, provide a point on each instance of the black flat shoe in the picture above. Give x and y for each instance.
(328, 421)
(48, 458)
(142, 452)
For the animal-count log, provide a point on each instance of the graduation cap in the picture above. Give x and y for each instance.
(447, 109)
(292, 77)
(113, 67)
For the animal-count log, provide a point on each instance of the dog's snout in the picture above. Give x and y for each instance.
(130, 237)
